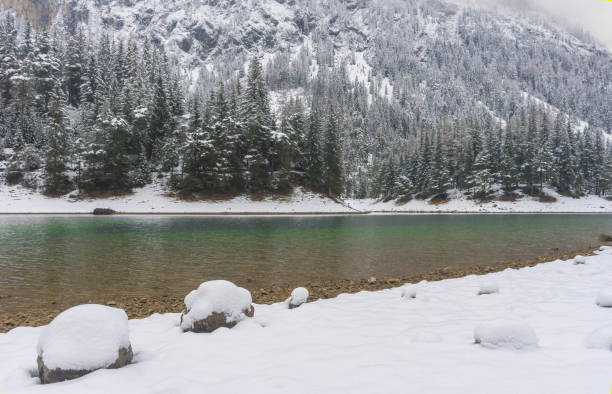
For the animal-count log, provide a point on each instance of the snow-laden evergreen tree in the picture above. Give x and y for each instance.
(107, 163)
(160, 123)
(198, 155)
(440, 177)
(333, 174)
(313, 154)
(259, 126)
(74, 69)
(57, 153)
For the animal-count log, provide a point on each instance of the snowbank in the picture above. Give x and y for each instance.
(298, 297)
(217, 296)
(510, 334)
(458, 202)
(369, 342)
(153, 199)
(604, 298)
(600, 339)
(85, 337)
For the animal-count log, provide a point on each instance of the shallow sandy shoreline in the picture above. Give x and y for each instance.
(141, 307)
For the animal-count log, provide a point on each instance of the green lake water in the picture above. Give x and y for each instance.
(78, 258)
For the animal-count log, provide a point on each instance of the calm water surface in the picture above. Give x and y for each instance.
(46, 258)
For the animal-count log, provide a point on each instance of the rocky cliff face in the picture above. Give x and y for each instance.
(38, 12)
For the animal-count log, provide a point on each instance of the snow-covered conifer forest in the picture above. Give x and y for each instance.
(359, 99)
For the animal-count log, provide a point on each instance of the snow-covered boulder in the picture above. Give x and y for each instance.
(83, 339)
(488, 288)
(409, 292)
(506, 334)
(580, 259)
(604, 298)
(298, 297)
(600, 339)
(216, 304)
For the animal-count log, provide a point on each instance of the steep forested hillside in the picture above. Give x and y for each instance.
(384, 99)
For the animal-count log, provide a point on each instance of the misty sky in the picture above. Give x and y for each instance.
(594, 16)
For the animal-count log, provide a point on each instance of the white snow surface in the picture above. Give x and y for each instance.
(604, 298)
(369, 342)
(298, 297)
(409, 291)
(218, 296)
(600, 339)
(153, 199)
(506, 334)
(488, 288)
(84, 337)
(458, 202)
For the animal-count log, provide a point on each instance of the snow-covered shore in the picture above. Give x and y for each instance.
(153, 199)
(372, 342)
(459, 203)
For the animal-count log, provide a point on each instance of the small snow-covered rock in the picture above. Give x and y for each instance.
(298, 297)
(488, 288)
(579, 260)
(600, 339)
(372, 280)
(604, 298)
(508, 334)
(409, 292)
(83, 339)
(215, 304)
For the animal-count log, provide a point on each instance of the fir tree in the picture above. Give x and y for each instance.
(57, 151)
(334, 179)
(313, 156)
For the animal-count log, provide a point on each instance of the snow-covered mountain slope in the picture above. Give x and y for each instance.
(395, 48)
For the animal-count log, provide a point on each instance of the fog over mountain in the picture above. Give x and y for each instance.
(593, 16)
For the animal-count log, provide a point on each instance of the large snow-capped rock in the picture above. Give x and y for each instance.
(216, 304)
(298, 297)
(83, 339)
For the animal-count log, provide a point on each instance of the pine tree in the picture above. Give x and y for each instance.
(545, 165)
(57, 153)
(334, 179)
(74, 73)
(259, 124)
(15, 168)
(481, 176)
(564, 166)
(107, 163)
(9, 65)
(313, 156)
(220, 126)
(198, 157)
(159, 123)
(439, 177)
